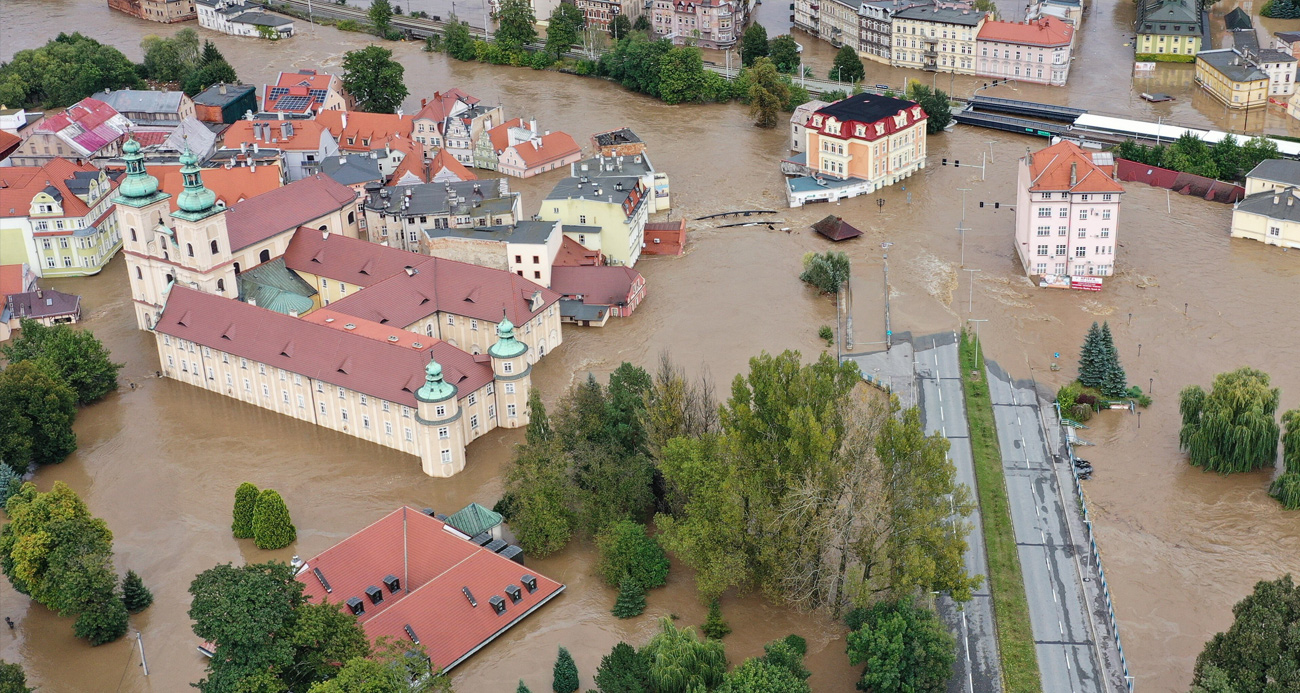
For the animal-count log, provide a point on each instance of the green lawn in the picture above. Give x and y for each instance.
(1010, 608)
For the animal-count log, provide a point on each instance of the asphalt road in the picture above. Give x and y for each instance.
(1067, 656)
(943, 410)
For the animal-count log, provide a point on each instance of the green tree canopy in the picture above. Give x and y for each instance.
(272, 528)
(460, 45)
(65, 70)
(827, 271)
(635, 63)
(623, 670)
(245, 502)
(680, 662)
(1092, 358)
(1291, 440)
(935, 103)
(323, 636)
(12, 678)
(906, 648)
(245, 611)
(768, 93)
(135, 596)
(627, 553)
(1286, 489)
(682, 78)
(753, 44)
(630, 601)
(1260, 652)
(715, 627)
(847, 66)
(757, 675)
(1232, 428)
(1191, 154)
(76, 355)
(37, 408)
(10, 482)
(210, 73)
(642, 23)
(380, 15)
(374, 79)
(515, 24)
(784, 52)
(170, 59)
(103, 620)
(564, 29)
(620, 26)
(564, 677)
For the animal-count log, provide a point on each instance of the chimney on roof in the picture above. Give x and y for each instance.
(532, 125)
(399, 113)
(254, 147)
(423, 102)
(1074, 173)
(280, 114)
(40, 292)
(344, 116)
(222, 89)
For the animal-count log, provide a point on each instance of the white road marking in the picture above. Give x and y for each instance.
(1061, 626)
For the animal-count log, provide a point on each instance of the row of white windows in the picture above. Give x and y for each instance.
(1100, 271)
(1063, 212)
(1062, 230)
(1105, 197)
(1080, 251)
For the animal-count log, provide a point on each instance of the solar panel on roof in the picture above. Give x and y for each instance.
(293, 103)
(279, 91)
(318, 95)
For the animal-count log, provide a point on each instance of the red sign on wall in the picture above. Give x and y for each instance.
(1086, 283)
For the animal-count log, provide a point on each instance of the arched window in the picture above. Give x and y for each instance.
(323, 227)
(189, 249)
(139, 274)
(213, 245)
(221, 285)
(165, 255)
(352, 217)
(170, 279)
(428, 329)
(133, 233)
(236, 268)
(265, 256)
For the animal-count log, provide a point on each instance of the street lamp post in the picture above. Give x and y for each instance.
(977, 338)
(961, 228)
(970, 301)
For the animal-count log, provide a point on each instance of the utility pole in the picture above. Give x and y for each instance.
(970, 301)
(977, 339)
(143, 662)
(961, 228)
(889, 332)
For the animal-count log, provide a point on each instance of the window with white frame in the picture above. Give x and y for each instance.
(510, 410)
(446, 456)
(473, 422)
(510, 388)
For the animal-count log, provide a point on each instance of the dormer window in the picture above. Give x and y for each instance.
(860, 130)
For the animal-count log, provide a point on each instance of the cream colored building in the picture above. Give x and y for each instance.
(1270, 212)
(1232, 78)
(936, 38)
(606, 214)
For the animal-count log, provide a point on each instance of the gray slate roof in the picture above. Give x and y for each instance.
(613, 166)
(941, 14)
(606, 189)
(437, 198)
(1181, 17)
(351, 169)
(142, 101)
(533, 232)
(212, 96)
(44, 303)
(1262, 203)
(1230, 64)
(1283, 171)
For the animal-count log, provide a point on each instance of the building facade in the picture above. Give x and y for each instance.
(876, 30)
(147, 108)
(303, 143)
(1038, 51)
(1271, 217)
(1169, 27)
(58, 218)
(89, 130)
(838, 22)
(234, 18)
(1067, 212)
(1232, 78)
(166, 11)
(612, 213)
(1280, 68)
(714, 24)
(936, 38)
(399, 215)
(539, 154)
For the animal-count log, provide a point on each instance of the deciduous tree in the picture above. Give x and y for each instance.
(623, 670)
(65, 70)
(1260, 652)
(626, 553)
(682, 78)
(245, 503)
(246, 611)
(620, 26)
(753, 44)
(757, 675)
(935, 103)
(907, 648)
(1230, 429)
(564, 29)
(515, 24)
(642, 23)
(374, 79)
(103, 620)
(680, 662)
(380, 15)
(768, 93)
(272, 528)
(1291, 440)
(323, 636)
(75, 355)
(1286, 489)
(847, 66)
(827, 271)
(784, 52)
(12, 678)
(460, 45)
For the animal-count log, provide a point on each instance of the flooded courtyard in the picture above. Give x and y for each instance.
(160, 462)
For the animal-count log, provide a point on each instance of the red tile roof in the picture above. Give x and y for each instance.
(21, 183)
(370, 330)
(350, 260)
(442, 103)
(8, 143)
(296, 135)
(554, 147)
(299, 83)
(148, 138)
(12, 281)
(608, 285)
(412, 163)
(433, 566)
(284, 209)
(1051, 168)
(339, 357)
(372, 129)
(665, 238)
(500, 135)
(1047, 31)
(444, 160)
(574, 254)
(231, 185)
(439, 284)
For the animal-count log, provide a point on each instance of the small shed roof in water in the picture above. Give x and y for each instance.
(836, 229)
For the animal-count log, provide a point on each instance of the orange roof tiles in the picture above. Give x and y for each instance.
(442, 103)
(433, 566)
(444, 160)
(1051, 169)
(554, 147)
(349, 260)
(298, 135)
(8, 143)
(500, 135)
(21, 183)
(665, 238)
(231, 185)
(574, 254)
(338, 357)
(1047, 31)
(365, 131)
(284, 209)
(370, 330)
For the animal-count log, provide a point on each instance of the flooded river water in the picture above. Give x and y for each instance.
(160, 462)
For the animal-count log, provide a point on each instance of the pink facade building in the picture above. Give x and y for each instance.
(1035, 51)
(710, 23)
(1067, 214)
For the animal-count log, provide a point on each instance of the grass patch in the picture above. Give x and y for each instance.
(1010, 606)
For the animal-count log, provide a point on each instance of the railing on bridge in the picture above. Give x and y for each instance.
(1021, 126)
(1026, 108)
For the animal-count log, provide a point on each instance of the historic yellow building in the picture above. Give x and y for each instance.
(1170, 28)
(1232, 78)
(936, 38)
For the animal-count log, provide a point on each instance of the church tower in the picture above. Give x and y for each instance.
(140, 207)
(199, 234)
(441, 438)
(512, 376)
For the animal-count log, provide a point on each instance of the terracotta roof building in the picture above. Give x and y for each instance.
(1067, 214)
(282, 210)
(617, 290)
(836, 229)
(231, 185)
(303, 143)
(539, 154)
(1037, 51)
(89, 130)
(58, 218)
(305, 92)
(665, 237)
(359, 131)
(411, 578)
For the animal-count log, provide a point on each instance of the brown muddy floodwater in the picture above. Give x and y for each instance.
(160, 463)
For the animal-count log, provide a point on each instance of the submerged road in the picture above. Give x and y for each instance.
(943, 411)
(1068, 658)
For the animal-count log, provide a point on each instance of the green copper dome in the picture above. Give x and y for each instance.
(138, 184)
(435, 388)
(506, 346)
(195, 199)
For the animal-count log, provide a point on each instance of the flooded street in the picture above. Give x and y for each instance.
(160, 463)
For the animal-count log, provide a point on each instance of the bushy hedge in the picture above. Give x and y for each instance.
(1165, 58)
(272, 528)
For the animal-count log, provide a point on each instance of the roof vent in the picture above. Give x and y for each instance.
(357, 606)
(375, 594)
(418, 345)
(514, 593)
(470, 596)
(323, 582)
(495, 545)
(530, 583)
(350, 326)
(428, 511)
(498, 604)
(411, 271)
(329, 320)
(393, 338)
(410, 633)
(392, 583)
